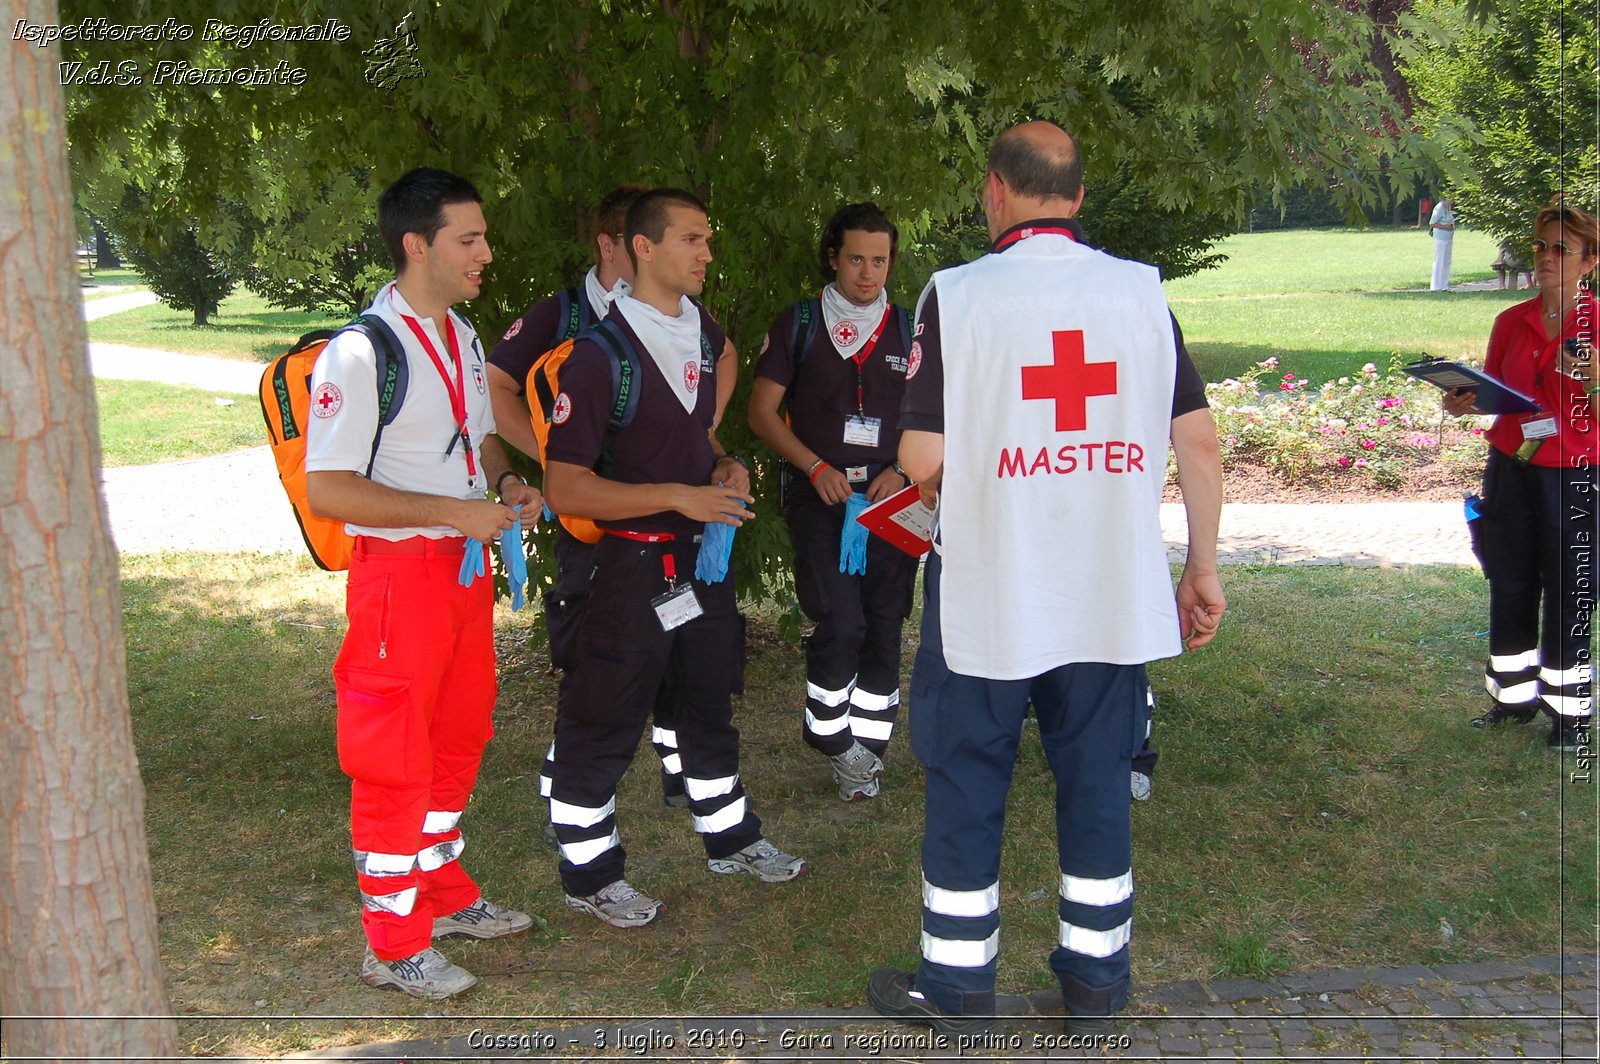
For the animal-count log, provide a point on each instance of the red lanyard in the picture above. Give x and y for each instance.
(457, 391)
(1023, 234)
(861, 356)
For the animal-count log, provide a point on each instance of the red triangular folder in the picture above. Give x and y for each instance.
(902, 520)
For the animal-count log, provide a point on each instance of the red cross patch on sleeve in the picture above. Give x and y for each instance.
(326, 400)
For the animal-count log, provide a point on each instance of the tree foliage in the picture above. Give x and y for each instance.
(172, 259)
(1515, 106)
(775, 111)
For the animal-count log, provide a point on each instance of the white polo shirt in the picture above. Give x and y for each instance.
(411, 455)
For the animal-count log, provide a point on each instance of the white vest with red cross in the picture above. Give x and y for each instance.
(1058, 375)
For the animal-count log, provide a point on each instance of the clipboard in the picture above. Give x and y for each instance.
(1493, 397)
(901, 519)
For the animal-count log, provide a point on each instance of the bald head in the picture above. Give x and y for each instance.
(1038, 161)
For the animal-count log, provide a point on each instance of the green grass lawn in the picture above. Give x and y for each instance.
(143, 422)
(1319, 802)
(121, 277)
(245, 328)
(1325, 302)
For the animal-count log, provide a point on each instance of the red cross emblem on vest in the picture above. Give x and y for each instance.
(1070, 381)
(845, 333)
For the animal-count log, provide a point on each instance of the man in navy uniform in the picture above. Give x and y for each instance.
(1068, 379)
(649, 617)
(843, 387)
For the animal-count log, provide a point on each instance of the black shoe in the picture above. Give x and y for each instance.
(1089, 1025)
(1569, 734)
(892, 994)
(1498, 715)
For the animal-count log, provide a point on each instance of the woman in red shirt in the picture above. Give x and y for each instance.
(1538, 530)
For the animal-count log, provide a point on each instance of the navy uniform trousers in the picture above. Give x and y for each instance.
(564, 607)
(965, 731)
(1537, 534)
(853, 653)
(623, 657)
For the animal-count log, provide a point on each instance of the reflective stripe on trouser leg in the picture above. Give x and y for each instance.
(872, 717)
(1092, 718)
(547, 771)
(827, 722)
(965, 731)
(1512, 680)
(1568, 693)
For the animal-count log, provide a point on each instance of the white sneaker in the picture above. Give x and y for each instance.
(481, 919)
(761, 859)
(426, 975)
(618, 904)
(856, 771)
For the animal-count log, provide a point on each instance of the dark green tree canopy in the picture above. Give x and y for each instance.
(775, 111)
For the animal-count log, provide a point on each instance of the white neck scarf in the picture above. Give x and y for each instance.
(674, 343)
(599, 299)
(849, 325)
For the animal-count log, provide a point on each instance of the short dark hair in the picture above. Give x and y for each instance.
(612, 212)
(415, 204)
(647, 216)
(1031, 173)
(865, 217)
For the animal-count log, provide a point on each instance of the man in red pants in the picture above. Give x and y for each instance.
(415, 676)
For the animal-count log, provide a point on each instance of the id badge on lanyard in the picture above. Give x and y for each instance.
(678, 606)
(861, 430)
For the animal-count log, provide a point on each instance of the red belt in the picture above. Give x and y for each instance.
(424, 545)
(642, 537)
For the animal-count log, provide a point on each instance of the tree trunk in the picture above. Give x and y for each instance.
(77, 913)
(105, 252)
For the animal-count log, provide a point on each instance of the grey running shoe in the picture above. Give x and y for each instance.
(618, 904)
(425, 975)
(761, 859)
(481, 919)
(856, 771)
(1141, 787)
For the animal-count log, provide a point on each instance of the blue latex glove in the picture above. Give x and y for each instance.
(548, 516)
(515, 560)
(471, 562)
(716, 544)
(853, 540)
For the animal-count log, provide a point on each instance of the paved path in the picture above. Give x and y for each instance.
(1538, 1009)
(107, 305)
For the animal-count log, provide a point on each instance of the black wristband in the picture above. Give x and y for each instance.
(501, 479)
(735, 458)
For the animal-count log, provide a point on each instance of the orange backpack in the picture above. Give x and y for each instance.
(543, 387)
(286, 403)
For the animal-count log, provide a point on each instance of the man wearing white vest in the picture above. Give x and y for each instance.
(1048, 582)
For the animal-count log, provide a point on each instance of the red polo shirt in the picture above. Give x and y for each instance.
(1523, 357)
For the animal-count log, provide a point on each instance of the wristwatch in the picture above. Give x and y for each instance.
(735, 458)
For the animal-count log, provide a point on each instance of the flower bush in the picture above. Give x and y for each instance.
(1368, 427)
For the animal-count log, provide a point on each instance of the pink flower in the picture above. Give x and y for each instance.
(1360, 462)
(1370, 368)
(1382, 421)
(1344, 461)
(1367, 445)
(1288, 376)
(1271, 363)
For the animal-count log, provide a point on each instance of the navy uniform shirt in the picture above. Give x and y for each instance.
(823, 389)
(664, 444)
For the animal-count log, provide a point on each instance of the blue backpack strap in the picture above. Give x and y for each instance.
(807, 315)
(573, 314)
(903, 318)
(393, 375)
(625, 381)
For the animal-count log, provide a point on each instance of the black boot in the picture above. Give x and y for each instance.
(1498, 715)
(1569, 734)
